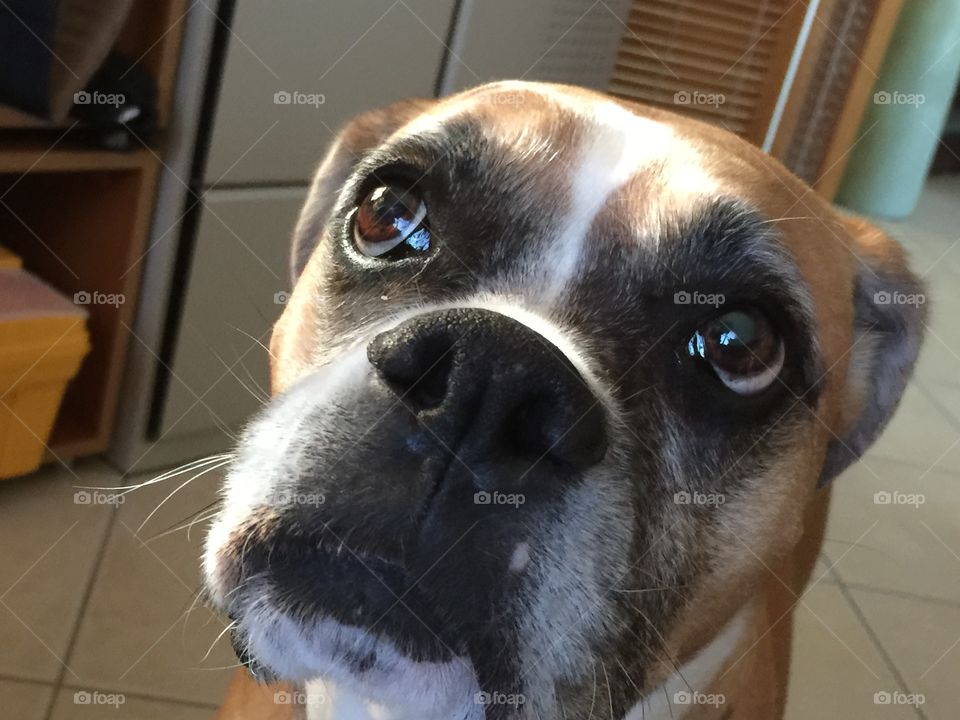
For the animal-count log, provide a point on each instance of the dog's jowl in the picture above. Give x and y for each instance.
(558, 397)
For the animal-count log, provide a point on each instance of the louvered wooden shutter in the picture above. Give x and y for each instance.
(712, 59)
(731, 62)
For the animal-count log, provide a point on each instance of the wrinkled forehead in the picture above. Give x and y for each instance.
(575, 139)
(574, 199)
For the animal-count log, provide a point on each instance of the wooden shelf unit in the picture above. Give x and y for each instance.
(79, 218)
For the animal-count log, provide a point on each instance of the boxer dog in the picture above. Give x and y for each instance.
(556, 401)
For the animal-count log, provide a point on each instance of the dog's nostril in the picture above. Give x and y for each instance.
(418, 372)
(428, 390)
(539, 429)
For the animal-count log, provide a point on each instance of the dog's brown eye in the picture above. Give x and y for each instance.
(743, 349)
(388, 217)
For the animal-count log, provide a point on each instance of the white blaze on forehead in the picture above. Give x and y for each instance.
(617, 146)
(614, 148)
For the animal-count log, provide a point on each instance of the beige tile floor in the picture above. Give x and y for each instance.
(89, 602)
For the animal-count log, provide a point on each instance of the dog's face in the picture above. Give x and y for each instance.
(557, 379)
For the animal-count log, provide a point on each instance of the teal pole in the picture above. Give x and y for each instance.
(911, 101)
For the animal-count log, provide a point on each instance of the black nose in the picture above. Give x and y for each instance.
(492, 390)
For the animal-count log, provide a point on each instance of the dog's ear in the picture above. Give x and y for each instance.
(360, 135)
(889, 314)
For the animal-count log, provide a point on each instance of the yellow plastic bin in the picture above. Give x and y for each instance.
(8, 259)
(43, 339)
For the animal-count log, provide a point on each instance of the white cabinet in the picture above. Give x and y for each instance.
(331, 59)
(234, 290)
(293, 73)
(565, 41)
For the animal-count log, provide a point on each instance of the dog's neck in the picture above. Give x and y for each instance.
(669, 701)
(691, 683)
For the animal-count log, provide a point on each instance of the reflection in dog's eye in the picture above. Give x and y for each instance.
(389, 217)
(743, 349)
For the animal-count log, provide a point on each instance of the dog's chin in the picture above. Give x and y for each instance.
(405, 668)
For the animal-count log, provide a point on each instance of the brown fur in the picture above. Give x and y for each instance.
(770, 548)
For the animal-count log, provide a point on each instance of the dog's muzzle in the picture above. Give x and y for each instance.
(404, 502)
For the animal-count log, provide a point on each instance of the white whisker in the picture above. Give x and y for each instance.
(783, 219)
(185, 468)
(651, 589)
(256, 340)
(180, 487)
(609, 690)
(201, 517)
(221, 667)
(223, 632)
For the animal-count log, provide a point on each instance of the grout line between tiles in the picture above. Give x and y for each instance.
(888, 661)
(903, 594)
(831, 568)
(87, 593)
(876, 589)
(4, 677)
